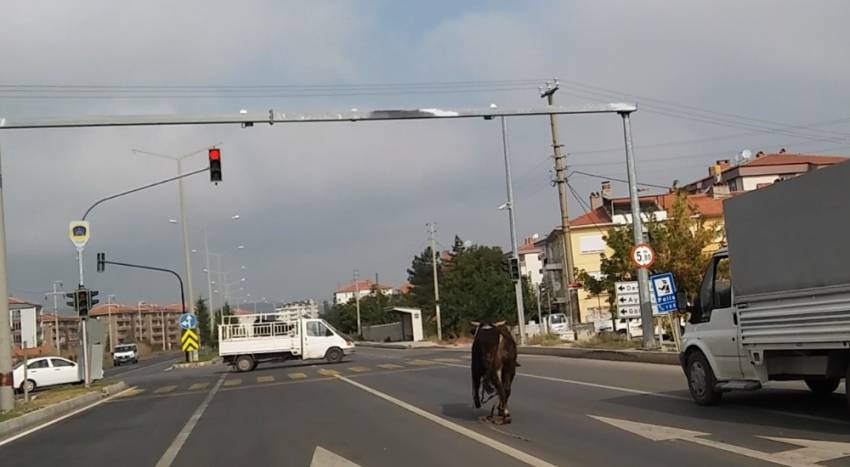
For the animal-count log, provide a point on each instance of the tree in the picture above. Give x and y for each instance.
(477, 287)
(420, 274)
(219, 316)
(595, 287)
(203, 315)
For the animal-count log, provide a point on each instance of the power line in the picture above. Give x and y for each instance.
(617, 179)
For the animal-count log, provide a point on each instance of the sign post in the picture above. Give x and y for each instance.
(189, 341)
(79, 233)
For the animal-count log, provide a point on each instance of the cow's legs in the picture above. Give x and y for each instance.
(500, 390)
(476, 394)
(507, 380)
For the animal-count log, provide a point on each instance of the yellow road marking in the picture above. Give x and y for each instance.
(197, 386)
(359, 369)
(233, 382)
(448, 360)
(419, 362)
(265, 379)
(297, 375)
(390, 366)
(325, 372)
(165, 389)
(130, 393)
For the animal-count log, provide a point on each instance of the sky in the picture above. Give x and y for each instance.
(317, 201)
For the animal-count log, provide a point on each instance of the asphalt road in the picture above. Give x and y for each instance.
(414, 408)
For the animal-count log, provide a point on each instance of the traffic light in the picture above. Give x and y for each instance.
(101, 262)
(215, 165)
(72, 300)
(514, 269)
(92, 300)
(83, 302)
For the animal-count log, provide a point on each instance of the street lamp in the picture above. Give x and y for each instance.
(141, 324)
(109, 299)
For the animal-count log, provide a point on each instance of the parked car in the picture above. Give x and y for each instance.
(125, 353)
(45, 371)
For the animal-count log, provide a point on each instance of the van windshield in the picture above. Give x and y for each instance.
(125, 348)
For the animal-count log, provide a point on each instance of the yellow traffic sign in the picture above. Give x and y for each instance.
(189, 341)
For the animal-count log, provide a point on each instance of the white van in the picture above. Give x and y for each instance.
(247, 340)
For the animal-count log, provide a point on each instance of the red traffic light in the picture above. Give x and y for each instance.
(215, 154)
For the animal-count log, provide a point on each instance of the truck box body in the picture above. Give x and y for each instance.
(789, 246)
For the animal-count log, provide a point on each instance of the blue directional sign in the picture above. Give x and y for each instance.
(664, 288)
(188, 321)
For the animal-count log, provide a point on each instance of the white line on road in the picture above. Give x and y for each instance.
(501, 447)
(146, 367)
(171, 453)
(45, 425)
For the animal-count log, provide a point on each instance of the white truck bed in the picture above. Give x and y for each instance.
(258, 338)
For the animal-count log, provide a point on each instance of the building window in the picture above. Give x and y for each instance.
(591, 244)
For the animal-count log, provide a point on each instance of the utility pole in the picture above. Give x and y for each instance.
(520, 310)
(55, 294)
(210, 309)
(109, 300)
(357, 300)
(7, 392)
(431, 232)
(637, 226)
(568, 269)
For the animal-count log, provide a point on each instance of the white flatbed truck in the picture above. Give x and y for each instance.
(245, 341)
(775, 305)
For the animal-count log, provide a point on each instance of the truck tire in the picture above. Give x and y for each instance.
(701, 380)
(823, 386)
(334, 355)
(245, 363)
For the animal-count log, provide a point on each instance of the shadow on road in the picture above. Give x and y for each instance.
(264, 367)
(461, 411)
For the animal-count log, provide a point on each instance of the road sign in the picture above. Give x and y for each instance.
(78, 232)
(664, 289)
(189, 340)
(627, 299)
(642, 255)
(625, 287)
(188, 321)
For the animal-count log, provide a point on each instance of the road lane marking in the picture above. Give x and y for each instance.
(165, 389)
(808, 452)
(232, 382)
(265, 379)
(474, 435)
(418, 362)
(297, 375)
(359, 369)
(198, 386)
(324, 458)
(592, 385)
(133, 391)
(170, 361)
(326, 372)
(448, 360)
(390, 366)
(171, 453)
(57, 420)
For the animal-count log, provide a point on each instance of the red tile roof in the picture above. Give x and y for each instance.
(703, 204)
(361, 285)
(18, 301)
(405, 288)
(116, 308)
(785, 158)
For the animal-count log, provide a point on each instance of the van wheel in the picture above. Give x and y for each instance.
(823, 386)
(334, 355)
(245, 363)
(701, 380)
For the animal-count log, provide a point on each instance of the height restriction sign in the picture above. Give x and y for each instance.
(642, 255)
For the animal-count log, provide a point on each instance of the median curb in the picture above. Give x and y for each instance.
(402, 345)
(638, 356)
(178, 366)
(52, 412)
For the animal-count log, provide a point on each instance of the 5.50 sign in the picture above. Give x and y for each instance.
(642, 255)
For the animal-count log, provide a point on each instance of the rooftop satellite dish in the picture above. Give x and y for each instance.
(467, 243)
(747, 154)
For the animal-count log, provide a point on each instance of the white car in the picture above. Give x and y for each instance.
(45, 371)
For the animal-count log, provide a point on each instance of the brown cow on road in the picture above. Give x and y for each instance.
(494, 362)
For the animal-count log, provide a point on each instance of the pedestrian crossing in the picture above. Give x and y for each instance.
(241, 380)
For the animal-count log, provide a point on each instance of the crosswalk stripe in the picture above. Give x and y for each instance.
(130, 393)
(419, 362)
(165, 389)
(233, 382)
(359, 369)
(325, 372)
(297, 375)
(448, 360)
(390, 366)
(197, 386)
(265, 379)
